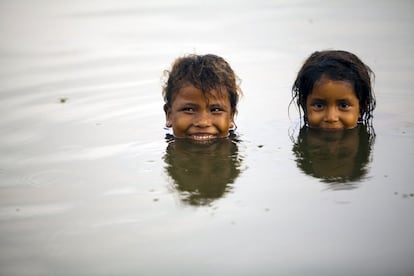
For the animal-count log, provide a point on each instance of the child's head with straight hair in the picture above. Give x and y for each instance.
(201, 95)
(333, 89)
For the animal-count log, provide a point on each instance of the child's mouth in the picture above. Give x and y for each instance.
(202, 137)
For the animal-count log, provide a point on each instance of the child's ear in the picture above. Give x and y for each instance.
(167, 111)
(168, 123)
(232, 124)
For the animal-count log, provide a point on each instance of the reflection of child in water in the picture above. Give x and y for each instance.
(201, 96)
(202, 172)
(333, 89)
(334, 156)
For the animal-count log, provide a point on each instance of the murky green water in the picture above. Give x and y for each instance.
(89, 186)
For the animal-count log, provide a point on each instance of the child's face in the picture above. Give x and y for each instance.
(199, 117)
(332, 105)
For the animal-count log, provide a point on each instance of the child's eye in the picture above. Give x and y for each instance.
(188, 109)
(216, 110)
(344, 105)
(318, 105)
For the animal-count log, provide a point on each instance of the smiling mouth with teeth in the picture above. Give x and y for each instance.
(202, 137)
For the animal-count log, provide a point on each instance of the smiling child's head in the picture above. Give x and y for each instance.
(201, 95)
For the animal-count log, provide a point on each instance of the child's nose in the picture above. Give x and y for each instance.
(331, 114)
(203, 119)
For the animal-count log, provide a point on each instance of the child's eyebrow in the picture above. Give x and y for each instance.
(216, 104)
(219, 105)
(344, 100)
(188, 103)
(318, 100)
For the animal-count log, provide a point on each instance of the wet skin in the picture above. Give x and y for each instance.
(332, 105)
(198, 116)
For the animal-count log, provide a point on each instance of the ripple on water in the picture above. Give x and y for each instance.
(30, 211)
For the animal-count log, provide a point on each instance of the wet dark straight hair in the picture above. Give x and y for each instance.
(205, 72)
(339, 66)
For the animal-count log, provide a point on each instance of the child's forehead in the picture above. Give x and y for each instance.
(326, 82)
(324, 78)
(190, 91)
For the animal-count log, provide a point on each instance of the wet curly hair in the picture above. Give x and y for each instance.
(336, 65)
(205, 72)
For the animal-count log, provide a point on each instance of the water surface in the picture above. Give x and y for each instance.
(89, 185)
